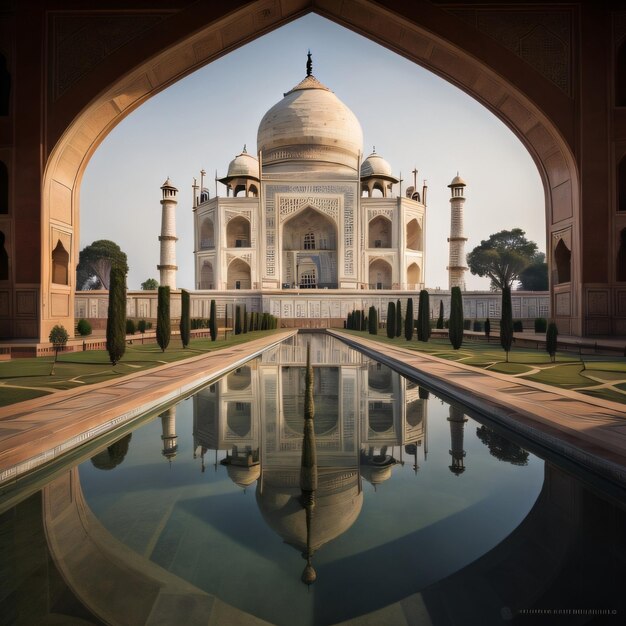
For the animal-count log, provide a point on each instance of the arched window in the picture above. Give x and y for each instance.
(238, 275)
(621, 185)
(4, 259)
(4, 189)
(562, 260)
(5, 86)
(207, 236)
(621, 257)
(309, 241)
(414, 235)
(620, 76)
(380, 232)
(238, 233)
(307, 279)
(206, 276)
(60, 263)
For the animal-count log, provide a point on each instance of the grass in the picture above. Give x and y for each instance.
(599, 376)
(23, 379)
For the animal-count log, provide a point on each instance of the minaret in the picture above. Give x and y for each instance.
(168, 237)
(169, 436)
(457, 268)
(457, 425)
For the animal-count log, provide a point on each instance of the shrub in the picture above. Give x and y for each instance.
(185, 322)
(541, 324)
(372, 320)
(478, 326)
(116, 317)
(467, 324)
(83, 327)
(213, 321)
(455, 331)
(142, 326)
(164, 329)
(237, 320)
(244, 326)
(391, 320)
(149, 326)
(440, 318)
(552, 334)
(409, 322)
(506, 323)
(130, 327)
(518, 326)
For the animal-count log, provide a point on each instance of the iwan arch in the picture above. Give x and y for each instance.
(551, 86)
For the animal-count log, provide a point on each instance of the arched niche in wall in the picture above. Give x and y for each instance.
(414, 235)
(207, 234)
(380, 232)
(621, 257)
(60, 264)
(206, 276)
(562, 260)
(380, 274)
(238, 233)
(413, 276)
(4, 189)
(239, 275)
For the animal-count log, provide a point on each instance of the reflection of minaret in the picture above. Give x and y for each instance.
(457, 238)
(457, 423)
(167, 267)
(169, 436)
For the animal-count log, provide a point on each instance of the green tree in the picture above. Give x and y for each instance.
(455, 324)
(372, 320)
(95, 262)
(213, 321)
(398, 318)
(244, 326)
(116, 317)
(408, 320)
(423, 316)
(130, 327)
(552, 335)
(164, 328)
(58, 338)
(506, 322)
(185, 318)
(83, 327)
(440, 318)
(534, 277)
(502, 257)
(152, 284)
(391, 320)
(237, 320)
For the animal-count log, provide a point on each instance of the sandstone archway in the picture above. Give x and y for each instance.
(422, 32)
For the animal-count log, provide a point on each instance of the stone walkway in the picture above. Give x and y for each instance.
(37, 431)
(587, 430)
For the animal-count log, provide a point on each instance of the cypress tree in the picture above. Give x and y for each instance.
(398, 319)
(373, 321)
(455, 324)
(506, 322)
(245, 319)
(391, 320)
(552, 334)
(213, 322)
(440, 318)
(116, 318)
(237, 320)
(487, 329)
(185, 320)
(408, 320)
(363, 320)
(164, 329)
(423, 317)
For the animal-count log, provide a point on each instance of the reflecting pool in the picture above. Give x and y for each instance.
(414, 501)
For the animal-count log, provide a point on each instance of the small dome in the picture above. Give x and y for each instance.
(375, 165)
(168, 184)
(457, 181)
(244, 165)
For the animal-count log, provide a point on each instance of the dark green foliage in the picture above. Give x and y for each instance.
(152, 284)
(423, 317)
(501, 447)
(487, 328)
(467, 324)
(112, 456)
(95, 263)
(363, 320)
(237, 320)
(440, 318)
(164, 329)
(398, 318)
(541, 324)
(185, 318)
(373, 321)
(83, 327)
(142, 326)
(116, 317)
(408, 320)
(244, 324)
(58, 338)
(130, 327)
(506, 323)
(518, 326)
(391, 320)
(455, 329)
(552, 335)
(535, 276)
(213, 321)
(478, 326)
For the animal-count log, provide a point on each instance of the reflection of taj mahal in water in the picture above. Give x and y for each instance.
(368, 418)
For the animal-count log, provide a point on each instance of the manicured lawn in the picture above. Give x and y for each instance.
(599, 376)
(22, 379)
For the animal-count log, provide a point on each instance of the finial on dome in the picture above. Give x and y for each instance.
(244, 151)
(309, 64)
(373, 149)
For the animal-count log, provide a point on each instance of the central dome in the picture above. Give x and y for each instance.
(310, 124)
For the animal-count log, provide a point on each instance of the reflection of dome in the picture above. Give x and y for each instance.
(338, 502)
(376, 474)
(310, 124)
(242, 475)
(375, 165)
(244, 165)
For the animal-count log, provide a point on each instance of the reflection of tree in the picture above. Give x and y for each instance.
(501, 447)
(113, 455)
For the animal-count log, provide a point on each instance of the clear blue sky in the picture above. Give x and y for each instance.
(414, 118)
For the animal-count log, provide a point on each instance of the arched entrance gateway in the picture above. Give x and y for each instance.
(550, 84)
